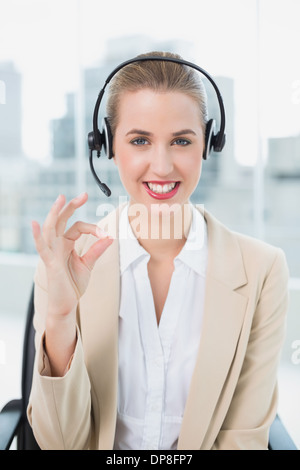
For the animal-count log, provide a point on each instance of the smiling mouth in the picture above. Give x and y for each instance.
(161, 190)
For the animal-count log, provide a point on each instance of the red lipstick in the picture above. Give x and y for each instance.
(162, 196)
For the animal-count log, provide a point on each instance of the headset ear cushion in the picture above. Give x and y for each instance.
(107, 138)
(209, 138)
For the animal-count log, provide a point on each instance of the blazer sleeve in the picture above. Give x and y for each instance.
(59, 409)
(254, 403)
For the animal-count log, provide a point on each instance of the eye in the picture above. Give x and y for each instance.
(182, 142)
(139, 141)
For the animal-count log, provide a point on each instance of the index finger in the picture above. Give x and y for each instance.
(68, 211)
(51, 219)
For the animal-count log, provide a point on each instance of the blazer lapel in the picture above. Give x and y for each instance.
(99, 311)
(224, 312)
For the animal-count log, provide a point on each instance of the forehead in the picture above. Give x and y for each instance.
(153, 106)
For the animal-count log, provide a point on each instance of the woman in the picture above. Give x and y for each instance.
(167, 334)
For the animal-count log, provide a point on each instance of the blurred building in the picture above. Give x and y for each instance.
(282, 196)
(10, 155)
(10, 112)
(28, 188)
(284, 157)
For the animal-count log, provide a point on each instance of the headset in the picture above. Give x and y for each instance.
(96, 139)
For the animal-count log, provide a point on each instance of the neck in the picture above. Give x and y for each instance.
(161, 230)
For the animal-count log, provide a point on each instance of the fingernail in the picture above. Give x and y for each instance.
(35, 227)
(100, 233)
(77, 198)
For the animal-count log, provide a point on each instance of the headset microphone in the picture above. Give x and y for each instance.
(105, 189)
(97, 139)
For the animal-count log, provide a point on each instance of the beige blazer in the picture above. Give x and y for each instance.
(233, 394)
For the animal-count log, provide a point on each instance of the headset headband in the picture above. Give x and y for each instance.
(96, 138)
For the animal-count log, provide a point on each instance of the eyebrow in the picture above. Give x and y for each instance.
(149, 134)
(184, 132)
(140, 132)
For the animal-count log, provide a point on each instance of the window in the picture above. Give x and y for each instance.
(48, 95)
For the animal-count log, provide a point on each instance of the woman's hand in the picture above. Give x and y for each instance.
(68, 274)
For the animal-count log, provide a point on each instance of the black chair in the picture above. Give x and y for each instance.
(13, 420)
(279, 439)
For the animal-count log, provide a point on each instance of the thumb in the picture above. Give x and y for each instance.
(95, 251)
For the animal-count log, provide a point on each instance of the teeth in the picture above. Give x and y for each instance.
(161, 188)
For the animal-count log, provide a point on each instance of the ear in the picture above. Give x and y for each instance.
(209, 137)
(107, 138)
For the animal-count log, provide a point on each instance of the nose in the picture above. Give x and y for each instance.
(162, 161)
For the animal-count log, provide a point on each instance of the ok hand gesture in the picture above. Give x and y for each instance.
(68, 274)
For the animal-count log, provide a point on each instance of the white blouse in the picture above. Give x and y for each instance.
(156, 362)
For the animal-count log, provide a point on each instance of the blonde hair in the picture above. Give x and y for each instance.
(159, 76)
